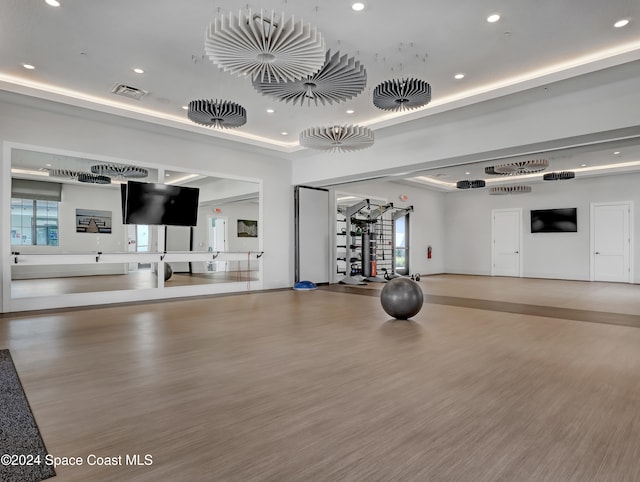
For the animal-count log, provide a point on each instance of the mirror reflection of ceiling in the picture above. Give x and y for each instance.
(27, 164)
(608, 158)
(345, 200)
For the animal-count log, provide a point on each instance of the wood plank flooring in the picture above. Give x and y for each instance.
(323, 386)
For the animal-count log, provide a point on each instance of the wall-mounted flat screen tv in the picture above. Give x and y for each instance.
(158, 204)
(554, 220)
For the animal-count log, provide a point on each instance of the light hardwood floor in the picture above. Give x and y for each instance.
(323, 386)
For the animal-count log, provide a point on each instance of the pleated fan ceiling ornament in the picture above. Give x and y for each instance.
(340, 79)
(337, 138)
(515, 189)
(69, 174)
(401, 94)
(265, 46)
(491, 170)
(90, 178)
(218, 114)
(476, 184)
(119, 170)
(559, 176)
(521, 167)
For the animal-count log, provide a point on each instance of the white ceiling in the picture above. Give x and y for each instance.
(82, 48)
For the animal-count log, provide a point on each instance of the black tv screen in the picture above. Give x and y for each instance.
(554, 220)
(149, 203)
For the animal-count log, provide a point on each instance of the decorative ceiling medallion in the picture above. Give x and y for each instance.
(93, 178)
(68, 174)
(265, 46)
(340, 79)
(522, 167)
(471, 184)
(337, 138)
(515, 189)
(221, 115)
(491, 170)
(559, 176)
(119, 170)
(401, 94)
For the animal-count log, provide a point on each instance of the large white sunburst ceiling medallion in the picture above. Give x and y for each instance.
(340, 79)
(265, 46)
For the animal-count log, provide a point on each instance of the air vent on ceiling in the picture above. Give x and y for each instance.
(128, 91)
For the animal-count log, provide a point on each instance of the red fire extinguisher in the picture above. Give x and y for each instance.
(429, 252)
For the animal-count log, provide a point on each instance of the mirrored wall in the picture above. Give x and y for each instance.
(72, 232)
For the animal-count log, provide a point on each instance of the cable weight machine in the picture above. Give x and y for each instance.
(370, 241)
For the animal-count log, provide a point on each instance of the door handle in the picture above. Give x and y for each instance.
(597, 252)
(517, 252)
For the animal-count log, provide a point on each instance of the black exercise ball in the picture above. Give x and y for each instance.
(402, 298)
(168, 272)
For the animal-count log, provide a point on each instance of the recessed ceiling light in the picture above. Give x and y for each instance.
(493, 18)
(621, 23)
(270, 111)
(167, 175)
(185, 107)
(138, 71)
(28, 66)
(583, 165)
(350, 111)
(53, 3)
(458, 76)
(358, 6)
(285, 133)
(616, 153)
(467, 173)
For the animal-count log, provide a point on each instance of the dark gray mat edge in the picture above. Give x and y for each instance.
(22, 450)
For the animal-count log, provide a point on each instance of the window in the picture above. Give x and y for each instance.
(142, 235)
(401, 235)
(34, 222)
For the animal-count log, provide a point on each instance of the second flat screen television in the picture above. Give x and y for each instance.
(554, 220)
(159, 204)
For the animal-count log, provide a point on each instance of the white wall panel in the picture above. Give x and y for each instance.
(313, 239)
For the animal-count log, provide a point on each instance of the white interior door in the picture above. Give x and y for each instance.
(217, 241)
(611, 242)
(507, 242)
(312, 240)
